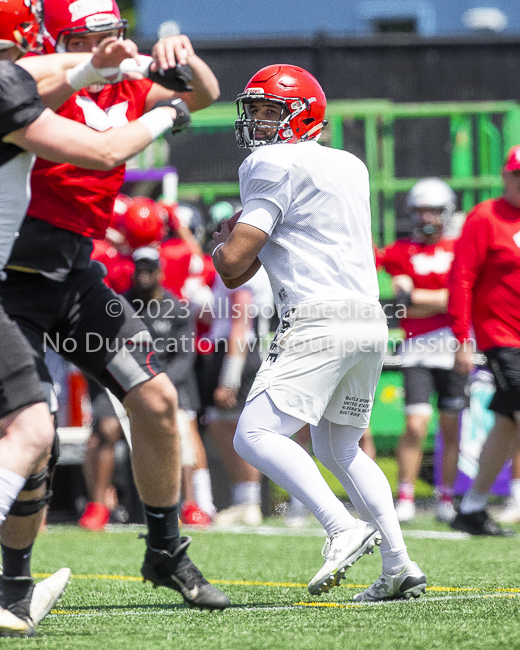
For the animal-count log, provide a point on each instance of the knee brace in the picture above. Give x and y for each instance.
(34, 481)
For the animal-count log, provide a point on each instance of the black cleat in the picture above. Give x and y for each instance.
(479, 523)
(176, 571)
(15, 597)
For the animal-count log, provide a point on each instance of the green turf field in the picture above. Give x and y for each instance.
(473, 598)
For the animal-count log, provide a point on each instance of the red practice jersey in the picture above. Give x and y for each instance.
(484, 282)
(428, 265)
(175, 258)
(79, 199)
(120, 268)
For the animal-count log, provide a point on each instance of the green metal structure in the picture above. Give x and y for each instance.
(480, 135)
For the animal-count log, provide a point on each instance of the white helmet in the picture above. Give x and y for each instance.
(431, 193)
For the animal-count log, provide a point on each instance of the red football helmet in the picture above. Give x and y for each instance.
(172, 218)
(143, 222)
(63, 18)
(21, 24)
(301, 97)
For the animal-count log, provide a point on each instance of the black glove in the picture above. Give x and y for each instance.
(177, 79)
(183, 118)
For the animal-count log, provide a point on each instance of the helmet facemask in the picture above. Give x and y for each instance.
(246, 126)
(63, 40)
(431, 194)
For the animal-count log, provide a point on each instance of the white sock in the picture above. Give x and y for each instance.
(473, 502)
(262, 438)
(202, 487)
(11, 485)
(247, 492)
(337, 448)
(514, 487)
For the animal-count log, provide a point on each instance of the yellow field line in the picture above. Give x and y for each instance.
(258, 583)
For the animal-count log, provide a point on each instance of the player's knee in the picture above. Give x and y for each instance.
(155, 399)
(35, 432)
(108, 431)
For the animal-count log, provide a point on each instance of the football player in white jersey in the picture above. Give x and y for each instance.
(306, 219)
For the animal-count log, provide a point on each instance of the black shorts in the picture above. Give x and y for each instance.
(100, 403)
(85, 322)
(504, 363)
(19, 381)
(452, 388)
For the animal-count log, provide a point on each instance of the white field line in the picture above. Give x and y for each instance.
(312, 605)
(270, 531)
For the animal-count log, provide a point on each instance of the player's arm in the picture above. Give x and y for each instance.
(71, 72)
(235, 255)
(427, 302)
(173, 50)
(236, 261)
(470, 256)
(230, 377)
(61, 140)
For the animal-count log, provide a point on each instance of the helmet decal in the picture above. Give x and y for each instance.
(83, 8)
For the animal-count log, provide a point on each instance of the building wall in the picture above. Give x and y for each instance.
(234, 18)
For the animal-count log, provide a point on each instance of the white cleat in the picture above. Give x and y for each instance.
(47, 593)
(405, 511)
(247, 514)
(340, 554)
(411, 582)
(445, 512)
(11, 625)
(510, 514)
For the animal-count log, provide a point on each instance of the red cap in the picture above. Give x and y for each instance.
(513, 159)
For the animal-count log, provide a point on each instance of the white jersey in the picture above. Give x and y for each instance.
(320, 245)
(15, 194)
(20, 106)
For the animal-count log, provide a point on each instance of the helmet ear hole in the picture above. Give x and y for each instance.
(308, 120)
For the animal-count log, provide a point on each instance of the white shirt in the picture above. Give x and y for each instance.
(320, 245)
(15, 195)
(261, 306)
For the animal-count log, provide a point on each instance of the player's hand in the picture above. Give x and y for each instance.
(225, 398)
(222, 235)
(403, 286)
(463, 359)
(111, 52)
(171, 51)
(402, 283)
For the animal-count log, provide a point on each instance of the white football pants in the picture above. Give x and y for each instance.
(262, 438)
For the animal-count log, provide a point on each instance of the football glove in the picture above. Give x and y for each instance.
(177, 79)
(183, 118)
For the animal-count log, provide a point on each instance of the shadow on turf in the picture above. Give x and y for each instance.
(164, 606)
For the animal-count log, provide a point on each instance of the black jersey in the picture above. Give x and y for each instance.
(20, 105)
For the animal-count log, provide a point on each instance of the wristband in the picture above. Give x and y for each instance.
(217, 247)
(85, 74)
(157, 121)
(231, 372)
(131, 65)
(403, 298)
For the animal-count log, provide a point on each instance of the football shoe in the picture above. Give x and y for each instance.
(176, 571)
(411, 582)
(341, 552)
